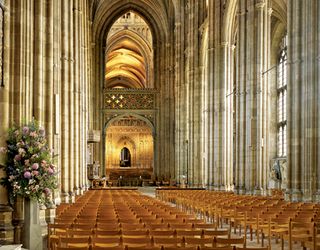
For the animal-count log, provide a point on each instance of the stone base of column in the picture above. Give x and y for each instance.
(72, 197)
(64, 198)
(316, 196)
(81, 191)
(257, 191)
(240, 190)
(56, 197)
(209, 187)
(293, 195)
(76, 191)
(7, 230)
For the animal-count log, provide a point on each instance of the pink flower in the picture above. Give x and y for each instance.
(11, 178)
(35, 173)
(47, 191)
(35, 166)
(33, 134)
(27, 175)
(3, 150)
(50, 171)
(25, 130)
(17, 157)
(43, 163)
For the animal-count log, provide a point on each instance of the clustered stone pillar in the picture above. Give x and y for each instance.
(190, 16)
(46, 68)
(303, 100)
(6, 234)
(252, 101)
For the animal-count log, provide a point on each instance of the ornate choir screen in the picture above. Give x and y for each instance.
(129, 140)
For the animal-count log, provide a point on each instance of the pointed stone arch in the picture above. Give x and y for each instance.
(160, 18)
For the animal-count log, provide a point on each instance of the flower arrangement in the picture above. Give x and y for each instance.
(29, 168)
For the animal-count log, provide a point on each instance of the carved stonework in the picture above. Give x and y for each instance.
(127, 99)
(129, 120)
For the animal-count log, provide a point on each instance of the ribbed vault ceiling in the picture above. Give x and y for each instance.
(126, 66)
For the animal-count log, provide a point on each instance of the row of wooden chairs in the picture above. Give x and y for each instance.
(127, 205)
(268, 217)
(147, 241)
(162, 248)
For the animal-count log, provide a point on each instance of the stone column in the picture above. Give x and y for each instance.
(209, 141)
(251, 118)
(303, 100)
(180, 93)
(49, 75)
(65, 114)
(6, 234)
(77, 50)
(216, 99)
(71, 84)
(38, 55)
(227, 58)
(57, 93)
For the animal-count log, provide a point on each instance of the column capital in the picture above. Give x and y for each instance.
(270, 10)
(260, 5)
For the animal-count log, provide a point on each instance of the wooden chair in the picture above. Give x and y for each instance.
(54, 232)
(135, 233)
(107, 233)
(252, 248)
(176, 226)
(107, 242)
(303, 232)
(79, 233)
(108, 226)
(131, 226)
(157, 226)
(204, 226)
(143, 248)
(108, 248)
(74, 242)
(227, 242)
(75, 248)
(167, 242)
(163, 233)
(214, 233)
(202, 242)
(216, 248)
(137, 241)
(197, 233)
(180, 248)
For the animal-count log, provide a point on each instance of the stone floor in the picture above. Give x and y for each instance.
(150, 191)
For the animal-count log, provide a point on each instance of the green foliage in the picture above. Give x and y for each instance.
(29, 168)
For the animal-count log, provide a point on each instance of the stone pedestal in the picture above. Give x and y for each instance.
(32, 236)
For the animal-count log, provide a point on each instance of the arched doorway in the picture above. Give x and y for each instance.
(129, 149)
(125, 157)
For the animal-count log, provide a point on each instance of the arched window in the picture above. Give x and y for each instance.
(282, 99)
